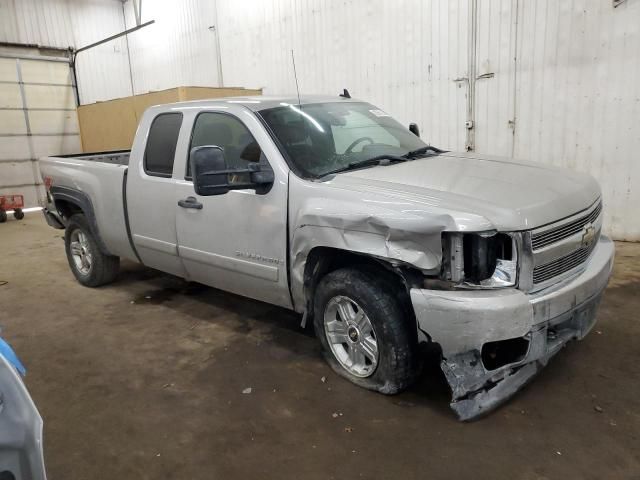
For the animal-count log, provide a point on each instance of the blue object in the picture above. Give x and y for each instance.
(7, 352)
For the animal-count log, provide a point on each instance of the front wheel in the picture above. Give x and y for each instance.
(18, 214)
(3, 216)
(364, 332)
(89, 264)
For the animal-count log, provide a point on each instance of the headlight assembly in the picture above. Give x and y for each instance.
(480, 260)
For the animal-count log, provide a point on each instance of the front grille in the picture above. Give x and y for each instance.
(556, 267)
(542, 239)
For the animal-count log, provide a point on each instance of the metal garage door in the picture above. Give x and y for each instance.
(37, 117)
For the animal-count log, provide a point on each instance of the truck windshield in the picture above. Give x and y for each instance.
(325, 137)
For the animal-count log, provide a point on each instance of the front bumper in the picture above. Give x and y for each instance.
(462, 322)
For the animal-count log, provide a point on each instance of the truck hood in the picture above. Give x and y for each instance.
(510, 194)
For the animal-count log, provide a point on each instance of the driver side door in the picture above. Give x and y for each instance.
(234, 241)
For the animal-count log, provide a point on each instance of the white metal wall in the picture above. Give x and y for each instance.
(403, 56)
(37, 102)
(179, 49)
(578, 97)
(554, 82)
(103, 72)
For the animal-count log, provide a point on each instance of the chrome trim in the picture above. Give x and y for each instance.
(567, 245)
(525, 276)
(567, 263)
(561, 229)
(573, 241)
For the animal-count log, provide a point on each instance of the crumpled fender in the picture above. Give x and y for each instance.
(372, 221)
(367, 229)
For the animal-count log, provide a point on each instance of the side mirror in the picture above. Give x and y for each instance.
(413, 128)
(209, 170)
(212, 176)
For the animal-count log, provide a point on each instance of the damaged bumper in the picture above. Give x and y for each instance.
(495, 341)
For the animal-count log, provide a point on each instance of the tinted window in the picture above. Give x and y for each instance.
(161, 145)
(228, 133)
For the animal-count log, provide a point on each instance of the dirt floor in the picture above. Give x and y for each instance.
(144, 379)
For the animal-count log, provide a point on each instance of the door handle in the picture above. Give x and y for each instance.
(190, 202)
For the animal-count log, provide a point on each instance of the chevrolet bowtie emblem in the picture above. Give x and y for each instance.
(588, 235)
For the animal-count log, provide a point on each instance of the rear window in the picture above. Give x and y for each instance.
(161, 144)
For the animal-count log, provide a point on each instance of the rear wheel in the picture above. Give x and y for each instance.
(18, 214)
(365, 335)
(3, 216)
(89, 264)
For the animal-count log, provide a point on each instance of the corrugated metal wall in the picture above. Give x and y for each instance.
(554, 82)
(102, 72)
(179, 49)
(403, 56)
(37, 117)
(578, 97)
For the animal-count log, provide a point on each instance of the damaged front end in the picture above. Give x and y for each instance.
(481, 380)
(494, 340)
(497, 299)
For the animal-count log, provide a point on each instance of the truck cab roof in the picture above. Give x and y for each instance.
(260, 102)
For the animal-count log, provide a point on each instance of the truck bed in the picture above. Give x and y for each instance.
(101, 178)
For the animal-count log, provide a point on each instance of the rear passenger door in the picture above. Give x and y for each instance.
(151, 194)
(235, 241)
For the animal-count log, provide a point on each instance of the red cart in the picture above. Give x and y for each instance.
(11, 202)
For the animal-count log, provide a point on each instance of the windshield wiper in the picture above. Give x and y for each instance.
(421, 151)
(386, 159)
(369, 162)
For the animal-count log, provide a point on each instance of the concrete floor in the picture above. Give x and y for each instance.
(143, 379)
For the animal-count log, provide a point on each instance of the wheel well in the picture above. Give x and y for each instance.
(67, 208)
(69, 202)
(323, 260)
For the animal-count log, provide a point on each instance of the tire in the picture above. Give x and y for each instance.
(97, 268)
(18, 214)
(3, 216)
(397, 352)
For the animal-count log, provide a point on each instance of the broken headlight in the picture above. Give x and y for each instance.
(480, 260)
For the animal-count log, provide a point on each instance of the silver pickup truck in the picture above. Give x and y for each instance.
(330, 207)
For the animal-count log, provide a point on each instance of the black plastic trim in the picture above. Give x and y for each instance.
(83, 201)
(89, 154)
(126, 215)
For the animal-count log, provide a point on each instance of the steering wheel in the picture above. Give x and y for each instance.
(356, 142)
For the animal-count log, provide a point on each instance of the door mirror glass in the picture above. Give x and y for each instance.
(413, 128)
(213, 176)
